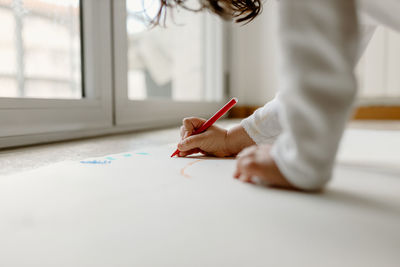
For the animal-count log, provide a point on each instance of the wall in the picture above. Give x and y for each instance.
(378, 70)
(253, 60)
(253, 63)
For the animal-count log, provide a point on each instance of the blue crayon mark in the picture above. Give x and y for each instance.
(110, 158)
(142, 153)
(127, 155)
(100, 162)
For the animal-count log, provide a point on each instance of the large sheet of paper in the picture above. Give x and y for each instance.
(143, 208)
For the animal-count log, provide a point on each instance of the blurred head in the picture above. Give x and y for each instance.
(239, 10)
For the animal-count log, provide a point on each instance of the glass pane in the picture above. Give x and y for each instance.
(40, 48)
(7, 49)
(49, 89)
(8, 87)
(169, 62)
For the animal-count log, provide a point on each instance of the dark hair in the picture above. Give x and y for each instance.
(239, 10)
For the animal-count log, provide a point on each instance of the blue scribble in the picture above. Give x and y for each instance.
(110, 158)
(142, 153)
(100, 162)
(127, 155)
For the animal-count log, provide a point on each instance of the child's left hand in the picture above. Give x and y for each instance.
(256, 161)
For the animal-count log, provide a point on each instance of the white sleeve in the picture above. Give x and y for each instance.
(381, 12)
(319, 41)
(264, 126)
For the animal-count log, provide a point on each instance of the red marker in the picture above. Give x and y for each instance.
(213, 119)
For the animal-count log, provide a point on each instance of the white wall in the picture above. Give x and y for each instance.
(253, 62)
(379, 69)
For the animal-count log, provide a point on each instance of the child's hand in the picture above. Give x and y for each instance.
(213, 141)
(256, 161)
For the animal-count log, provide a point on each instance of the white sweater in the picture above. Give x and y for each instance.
(320, 47)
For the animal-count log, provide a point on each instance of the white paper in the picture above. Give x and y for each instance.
(143, 208)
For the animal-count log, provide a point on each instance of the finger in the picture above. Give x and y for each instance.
(240, 163)
(246, 164)
(182, 132)
(246, 179)
(248, 168)
(190, 152)
(245, 161)
(247, 151)
(203, 152)
(186, 134)
(191, 142)
(191, 124)
(236, 174)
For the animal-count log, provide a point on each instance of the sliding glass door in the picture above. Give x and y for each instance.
(165, 73)
(73, 68)
(55, 69)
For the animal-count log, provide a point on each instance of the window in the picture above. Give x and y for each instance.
(73, 68)
(46, 68)
(34, 65)
(165, 73)
(158, 65)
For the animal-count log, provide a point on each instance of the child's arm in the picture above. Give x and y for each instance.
(252, 161)
(263, 125)
(319, 40)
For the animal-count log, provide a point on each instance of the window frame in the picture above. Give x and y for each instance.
(31, 120)
(141, 114)
(105, 108)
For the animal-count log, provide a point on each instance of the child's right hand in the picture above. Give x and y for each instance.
(211, 142)
(215, 141)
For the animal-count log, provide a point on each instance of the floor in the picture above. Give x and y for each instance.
(146, 209)
(32, 157)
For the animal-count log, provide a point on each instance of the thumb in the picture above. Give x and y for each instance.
(191, 124)
(191, 142)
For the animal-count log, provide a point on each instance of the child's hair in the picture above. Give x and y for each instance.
(240, 10)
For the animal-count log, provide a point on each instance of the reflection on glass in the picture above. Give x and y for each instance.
(165, 63)
(40, 49)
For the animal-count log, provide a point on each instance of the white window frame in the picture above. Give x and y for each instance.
(106, 108)
(27, 121)
(140, 114)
